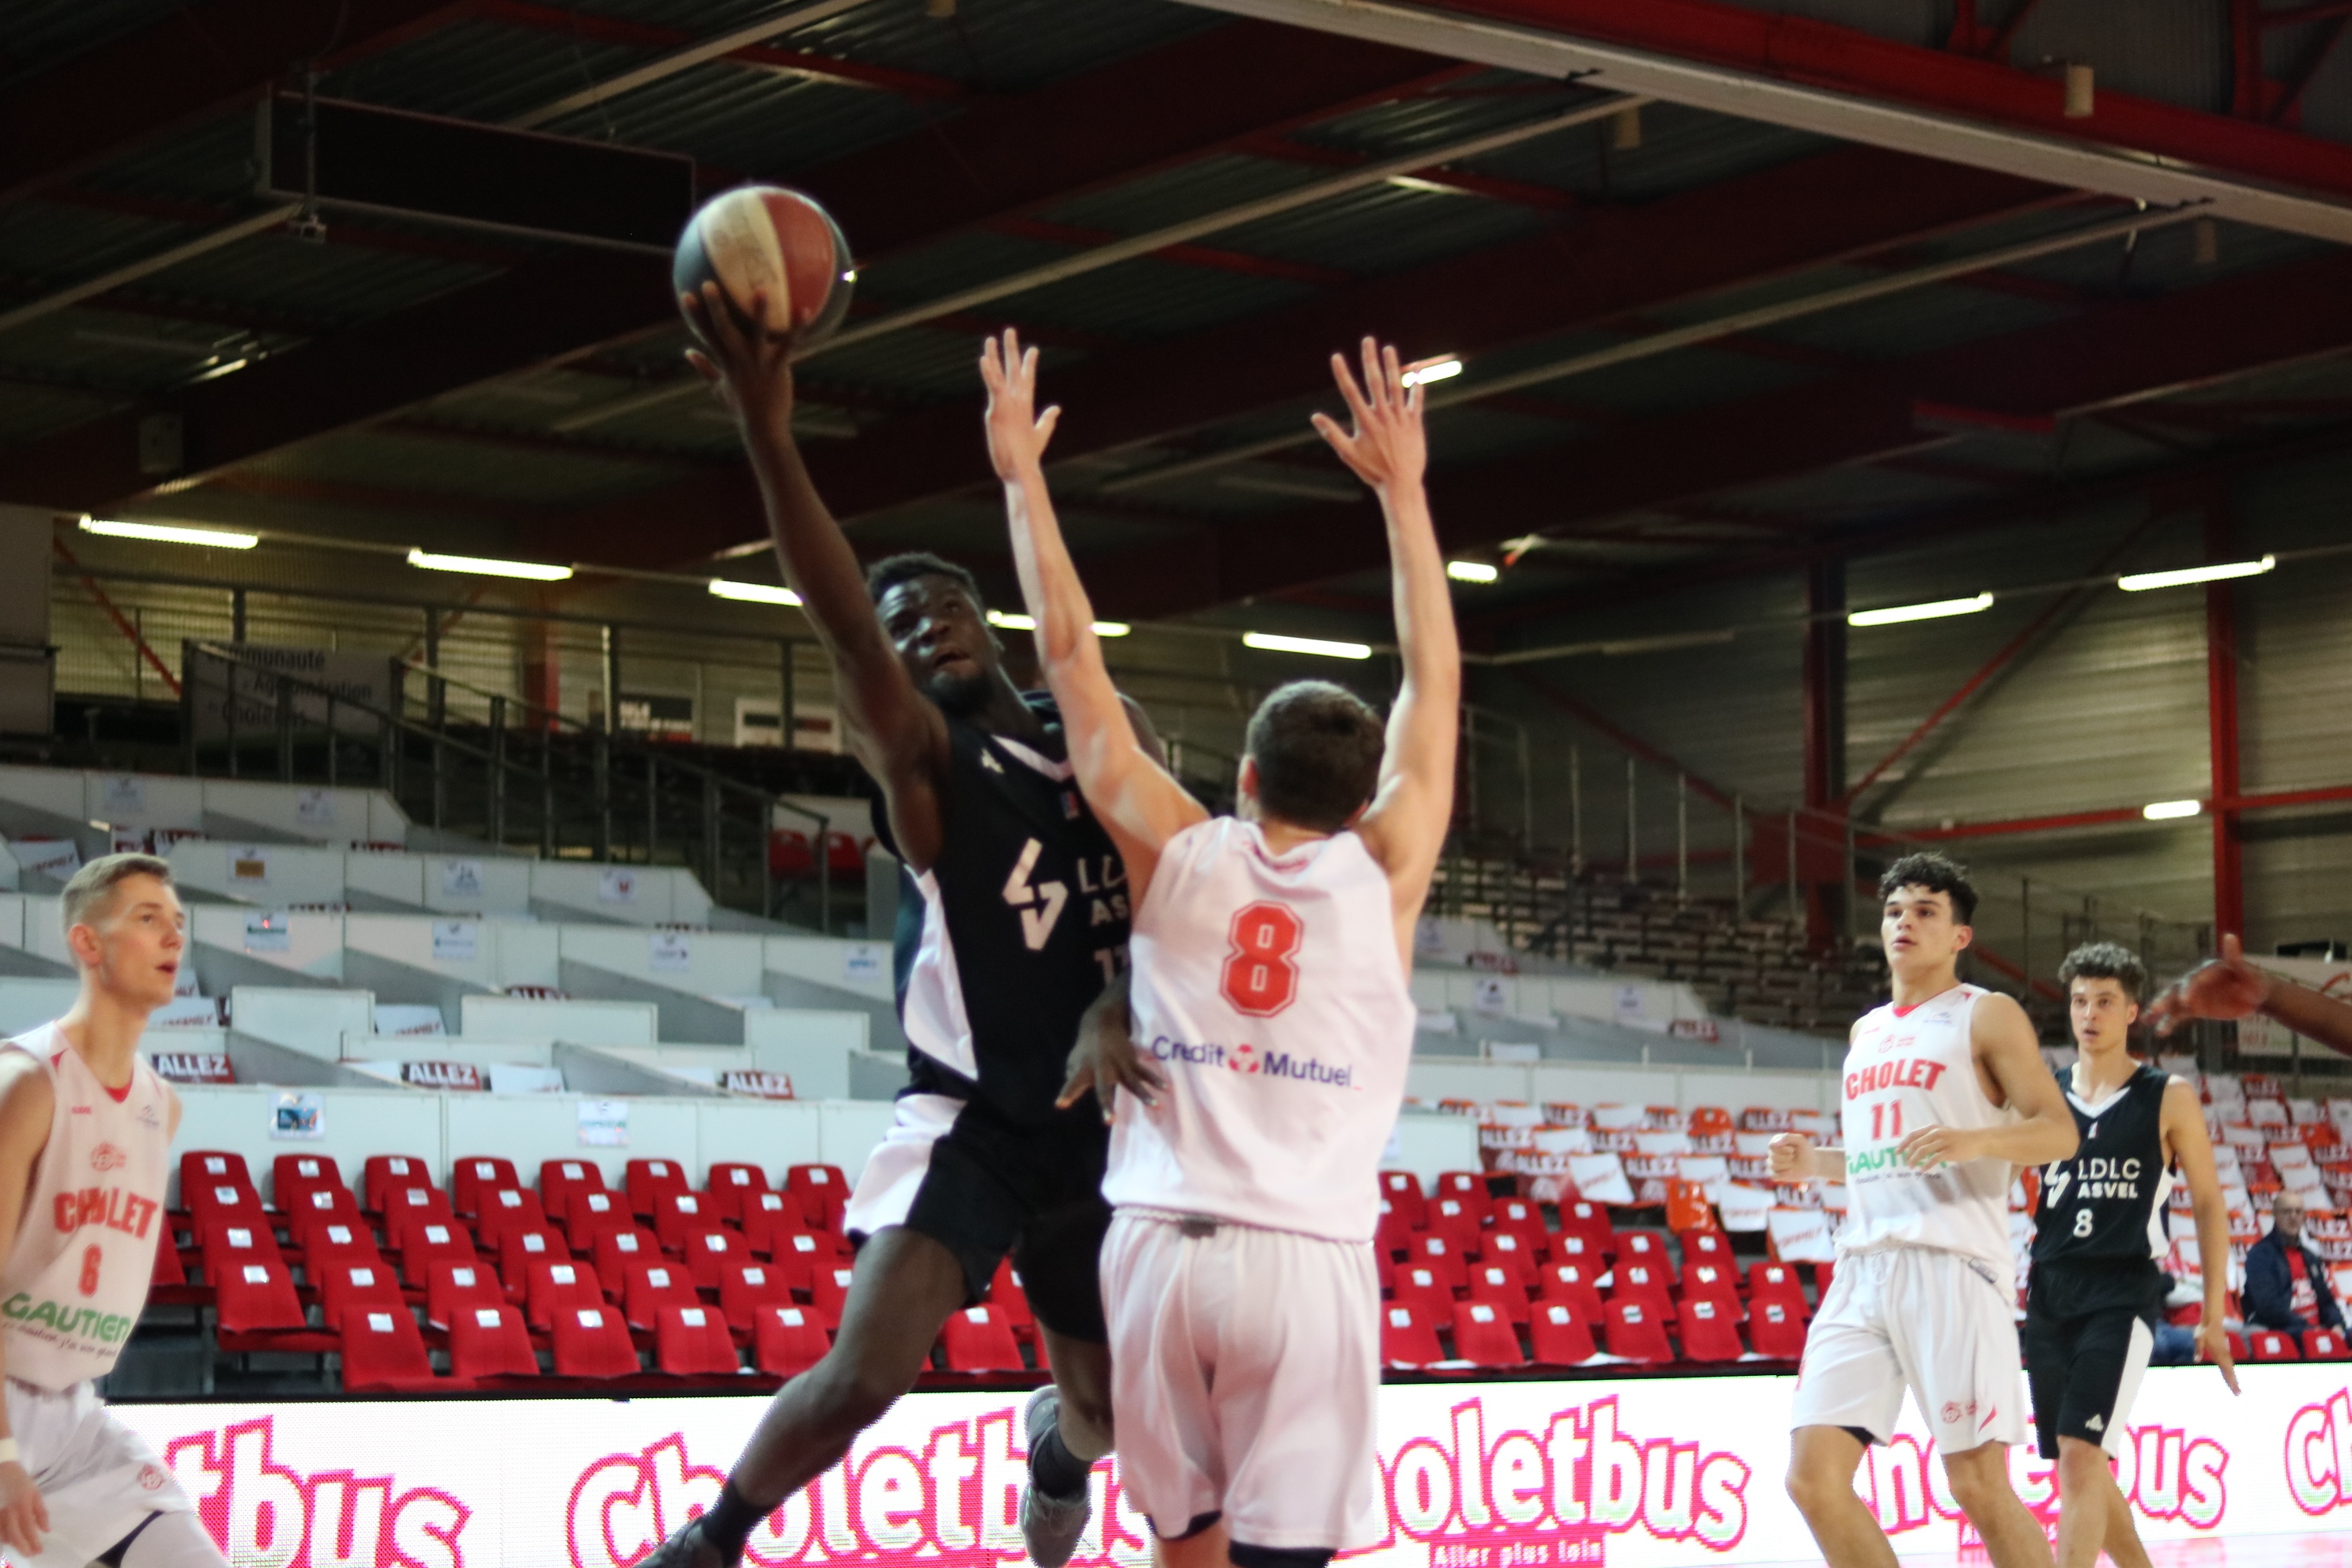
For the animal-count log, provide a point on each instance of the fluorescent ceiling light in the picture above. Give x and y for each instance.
(2140, 581)
(1019, 622)
(1920, 612)
(1472, 571)
(166, 534)
(1270, 643)
(2166, 810)
(1434, 370)
(480, 566)
(752, 593)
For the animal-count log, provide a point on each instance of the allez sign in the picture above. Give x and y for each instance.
(1635, 1473)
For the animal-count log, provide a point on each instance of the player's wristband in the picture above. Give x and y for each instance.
(9, 1453)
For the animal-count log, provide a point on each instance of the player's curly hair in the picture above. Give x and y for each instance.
(892, 570)
(2106, 960)
(1317, 749)
(1938, 874)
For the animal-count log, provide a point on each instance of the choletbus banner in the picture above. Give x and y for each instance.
(1628, 1473)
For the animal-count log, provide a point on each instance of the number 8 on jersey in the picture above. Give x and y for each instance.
(1261, 972)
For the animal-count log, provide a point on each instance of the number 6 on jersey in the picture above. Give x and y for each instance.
(1261, 974)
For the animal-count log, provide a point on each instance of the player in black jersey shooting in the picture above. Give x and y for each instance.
(1021, 922)
(2100, 1226)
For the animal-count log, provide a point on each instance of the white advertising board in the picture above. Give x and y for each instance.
(1630, 1473)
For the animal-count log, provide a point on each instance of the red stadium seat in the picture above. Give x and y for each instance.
(1403, 1190)
(1714, 1282)
(504, 1210)
(1641, 1282)
(326, 1200)
(1483, 1336)
(788, 1341)
(1437, 1254)
(559, 1179)
(1777, 1282)
(766, 1217)
(1706, 1246)
(2324, 1345)
(453, 1289)
(828, 1289)
(677, 1213)
(1451, 1218)
(208, 1168)
(2239, 1351)
(1637, 1329)
(1421, 1289)
(746, 1289)
(383, 1172)
(408, 1208)
(1467, 1188)
(553, 1289)
(617, 1250)
(476, 1175)
(1643, 1247)
(1392, 1235)
(589, 1212)
(590, 1343)
(1569, 1247)
(1707, 1329)
(383, 1350)
(978, 1338)
(1776, 1327)
(708, 1252)
(1507, 1249)
(650, 1288)
(1562, 1333)
(1012, 1302)
(291, 1175)
(348, 1284)
(799, 1254)
(693, 1341)
(1407, 1339)
(433, 1242)
(325, 1242)
(254, 1295)
(1570, 1285)
(519, 1249)
(1500, 1290)
(226, 1200)
(488, 1341)
(2273, 1344)
(226, 1244)
(732, 1185)
(647, 1180)
(1591, 1221)
(1519, 1218)
(822, 1192)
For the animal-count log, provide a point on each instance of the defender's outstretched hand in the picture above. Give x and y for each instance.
(749, 366)
(2223, 987)
(1387, 447)
(1017, 433)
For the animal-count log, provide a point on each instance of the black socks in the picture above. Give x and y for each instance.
(729, 1524)
(1054, 1470)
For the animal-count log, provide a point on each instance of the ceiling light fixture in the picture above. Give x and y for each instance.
(1268, 642)
(751, 593)
(1012, 621)
(168, 534)
(482, 566)
(1432, 369)
(2166, 810)
(1927, 612)
(2140, 581)
(1472, 571)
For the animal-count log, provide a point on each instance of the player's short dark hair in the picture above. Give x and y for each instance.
(1938, 874)
(1317, 749)
(892, 570)
(2106, 960)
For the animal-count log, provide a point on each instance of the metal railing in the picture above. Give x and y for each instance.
(517, 776)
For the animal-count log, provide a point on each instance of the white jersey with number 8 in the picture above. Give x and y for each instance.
(1910, 1067)
(1269, 991)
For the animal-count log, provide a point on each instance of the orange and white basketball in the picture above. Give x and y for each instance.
(766, 238)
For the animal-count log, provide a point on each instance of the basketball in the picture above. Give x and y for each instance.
(766, 237)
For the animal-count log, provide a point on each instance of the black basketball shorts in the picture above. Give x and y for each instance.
(2084, 1372)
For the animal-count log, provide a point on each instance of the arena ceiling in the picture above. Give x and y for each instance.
(1732, 290)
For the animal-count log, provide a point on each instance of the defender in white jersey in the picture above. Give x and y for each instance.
(1943, 1093)
(86, 1130)
(1270, 956)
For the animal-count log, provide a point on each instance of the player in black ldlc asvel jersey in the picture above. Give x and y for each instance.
(1021, 920)
(2100, 1226)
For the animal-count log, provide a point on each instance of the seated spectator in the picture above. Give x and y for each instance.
(2286, 1283)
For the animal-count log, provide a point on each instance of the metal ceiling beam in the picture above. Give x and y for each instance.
(1844, 82)
(2119, 353)
(1163, 107)
(199, 59)
(1811, 212)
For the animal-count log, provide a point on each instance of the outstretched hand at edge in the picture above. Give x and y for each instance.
(1387, 446)
(1017, 433)
(2223, 987)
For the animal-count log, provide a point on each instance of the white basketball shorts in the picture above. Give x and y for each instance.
(1938, 1323)
(1245, 1376)
(98, 1478)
